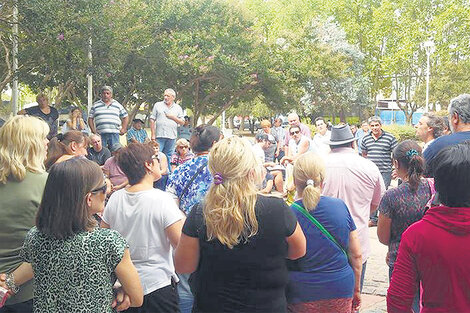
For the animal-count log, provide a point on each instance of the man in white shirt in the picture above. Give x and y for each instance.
(322, 136)
(429, 127)
(164, 120)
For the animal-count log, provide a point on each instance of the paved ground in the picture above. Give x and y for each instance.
(376, 280)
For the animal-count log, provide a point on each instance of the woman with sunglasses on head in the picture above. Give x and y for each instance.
(65, 146)
(23, 146)
(151, 223)
(238, 240)
(74, 262)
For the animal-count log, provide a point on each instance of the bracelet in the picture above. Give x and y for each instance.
(10, 282)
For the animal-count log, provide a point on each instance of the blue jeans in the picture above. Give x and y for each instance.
(186, 297)
(167, 146)
(363, 273)
(109, 139)
(387, 177)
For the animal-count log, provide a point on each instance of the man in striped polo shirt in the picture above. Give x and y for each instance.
(108, 118)
(377, 146)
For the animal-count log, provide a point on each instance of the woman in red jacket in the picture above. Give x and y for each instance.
(434, 251)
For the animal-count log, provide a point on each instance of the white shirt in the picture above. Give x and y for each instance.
(141, 217)
(165, 127)
(320, 142)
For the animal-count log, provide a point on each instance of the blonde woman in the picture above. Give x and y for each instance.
(23, 146)
(327, 278)
(238, 239)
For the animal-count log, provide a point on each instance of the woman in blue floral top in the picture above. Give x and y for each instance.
(402, 206)
(189, 184)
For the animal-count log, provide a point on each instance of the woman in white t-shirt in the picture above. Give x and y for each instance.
(151, 223)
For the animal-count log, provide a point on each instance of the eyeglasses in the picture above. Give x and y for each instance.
(101, 189)
(295, 132)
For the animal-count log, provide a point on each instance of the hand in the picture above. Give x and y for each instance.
(121, 300)
(356, 302)
(276, 154)
(394, 174)
(3, 284)
(122, 131)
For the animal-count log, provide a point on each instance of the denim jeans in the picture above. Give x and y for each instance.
(186, 297)
(387, 177)
(109, 139)
(167, 146)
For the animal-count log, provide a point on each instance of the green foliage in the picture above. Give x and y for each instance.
(401, 132)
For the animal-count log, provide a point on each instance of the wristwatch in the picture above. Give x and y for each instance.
(10, 282)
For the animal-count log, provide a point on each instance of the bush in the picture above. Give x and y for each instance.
(401, 132)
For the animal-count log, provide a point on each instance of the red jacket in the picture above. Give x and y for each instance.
(435, 252)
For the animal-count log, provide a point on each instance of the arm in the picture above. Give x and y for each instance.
(297, 244)
(129, 279)
(355, 259)
(82, 123)
(120, 186)
(173, 232)
(152, 129)
(91, 124)
(125, 121)
(164, 165)
(175, 118)
(187, 254)
(71, 124)
(383, 229)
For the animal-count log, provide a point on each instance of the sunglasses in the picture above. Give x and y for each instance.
(101, 189)
(295, 132)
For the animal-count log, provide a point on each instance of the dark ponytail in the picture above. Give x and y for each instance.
(59, 145)
(409, 155)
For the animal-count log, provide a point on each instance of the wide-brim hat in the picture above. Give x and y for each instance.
(340, 134)
(137, 120)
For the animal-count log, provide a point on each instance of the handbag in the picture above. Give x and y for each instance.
(319, 226)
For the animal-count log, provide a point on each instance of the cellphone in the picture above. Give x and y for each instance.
(3, 296)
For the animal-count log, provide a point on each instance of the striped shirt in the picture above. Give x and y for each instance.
(107, 118)
(380, 151)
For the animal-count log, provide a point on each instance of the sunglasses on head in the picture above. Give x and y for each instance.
(294, 132)
(101, 189)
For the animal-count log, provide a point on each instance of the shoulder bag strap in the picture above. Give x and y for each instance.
(319, 225)
(186, 187)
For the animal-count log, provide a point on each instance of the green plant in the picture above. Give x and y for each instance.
(401, 132)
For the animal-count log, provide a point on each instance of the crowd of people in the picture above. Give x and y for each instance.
(185, 220)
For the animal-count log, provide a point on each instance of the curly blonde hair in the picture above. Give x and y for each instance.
(22, 147)
(229, 207)
(309, 166)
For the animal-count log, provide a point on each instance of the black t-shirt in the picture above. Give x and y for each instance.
(98, 157)
(252, 276)
(50, 119)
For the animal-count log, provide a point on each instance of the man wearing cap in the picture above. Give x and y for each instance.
(355, 180)
(136, 133)
(164, 120)
(108, 118)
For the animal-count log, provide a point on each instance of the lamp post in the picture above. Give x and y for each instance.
(430, 48)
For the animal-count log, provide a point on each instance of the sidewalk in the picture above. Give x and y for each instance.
(376, 279)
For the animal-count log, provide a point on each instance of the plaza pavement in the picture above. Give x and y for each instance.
(376, 280)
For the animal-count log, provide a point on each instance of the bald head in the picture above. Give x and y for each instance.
(293, 119)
